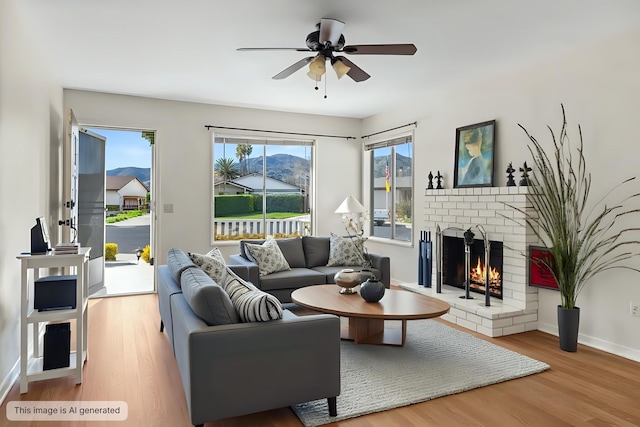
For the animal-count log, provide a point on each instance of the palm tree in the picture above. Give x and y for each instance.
(226, 169)
(243, 151)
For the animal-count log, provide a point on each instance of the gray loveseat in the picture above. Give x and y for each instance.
(307, 257)
(229, 368)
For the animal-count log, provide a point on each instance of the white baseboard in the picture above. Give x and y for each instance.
(600, 344)
(9, 380)
(609, 347)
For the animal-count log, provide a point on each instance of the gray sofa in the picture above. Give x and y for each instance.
(229, 368)
(307, 257)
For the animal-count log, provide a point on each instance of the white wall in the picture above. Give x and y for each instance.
(30, 147)
(113, 198)
(184, 166)
(600, 88)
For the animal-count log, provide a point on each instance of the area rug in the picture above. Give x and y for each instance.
(436, 361)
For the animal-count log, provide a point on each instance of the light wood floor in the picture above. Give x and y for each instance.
(131, 361)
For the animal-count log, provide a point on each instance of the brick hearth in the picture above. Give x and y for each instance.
(465, 208)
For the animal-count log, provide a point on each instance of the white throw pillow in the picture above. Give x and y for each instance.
(268, 256)
(212, 263)
(251, 304)
(343, 251)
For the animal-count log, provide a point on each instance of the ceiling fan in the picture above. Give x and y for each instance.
(329, 40)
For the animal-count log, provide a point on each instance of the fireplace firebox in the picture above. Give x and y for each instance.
(453, 265)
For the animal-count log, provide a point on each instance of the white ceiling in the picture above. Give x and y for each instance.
(186, 50)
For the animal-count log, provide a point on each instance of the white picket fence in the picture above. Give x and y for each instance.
(238, 227)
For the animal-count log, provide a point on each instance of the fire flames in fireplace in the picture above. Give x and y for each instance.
(453, 265)
(478, 275)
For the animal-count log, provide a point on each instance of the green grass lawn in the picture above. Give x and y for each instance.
(270, 215)
(124, 215)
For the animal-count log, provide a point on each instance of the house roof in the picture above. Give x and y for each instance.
(115, 183)
(253, 183)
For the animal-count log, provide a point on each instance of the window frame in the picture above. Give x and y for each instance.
(262, 140)
(391, 142)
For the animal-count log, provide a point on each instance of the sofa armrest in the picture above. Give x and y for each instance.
(252, 367)
(252, 272)
(241, 270)
(382, 263)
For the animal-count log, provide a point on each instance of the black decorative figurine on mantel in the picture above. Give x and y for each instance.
(430, 185)
(525, 175)
(439, 181)
(510, 181)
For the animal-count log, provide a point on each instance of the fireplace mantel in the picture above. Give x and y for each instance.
(487, 206)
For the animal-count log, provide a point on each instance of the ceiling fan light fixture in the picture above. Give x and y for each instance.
(317, 67)
(340, 68)
(314, 77)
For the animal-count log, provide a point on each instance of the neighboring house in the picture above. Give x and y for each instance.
(127, 192)
(381, 197)
(252, 183)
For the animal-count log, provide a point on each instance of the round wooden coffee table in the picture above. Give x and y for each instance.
(366, 319)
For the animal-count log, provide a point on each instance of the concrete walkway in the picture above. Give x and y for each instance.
(126, 275)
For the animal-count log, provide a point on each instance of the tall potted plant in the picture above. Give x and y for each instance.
(583, 238)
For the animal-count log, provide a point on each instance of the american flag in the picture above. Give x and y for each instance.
(386, 177)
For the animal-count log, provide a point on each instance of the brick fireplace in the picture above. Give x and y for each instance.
(464, 208)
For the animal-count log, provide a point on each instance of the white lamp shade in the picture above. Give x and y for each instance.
(350, 205)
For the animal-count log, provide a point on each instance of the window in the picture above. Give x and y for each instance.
(392, 188)
(254, 198)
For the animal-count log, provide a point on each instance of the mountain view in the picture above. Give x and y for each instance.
(284, 167)
(143, 174)
(380, 163)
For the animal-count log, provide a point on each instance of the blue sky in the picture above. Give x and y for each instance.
(125, 148)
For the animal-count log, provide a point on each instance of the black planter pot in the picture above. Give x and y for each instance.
(568, 323)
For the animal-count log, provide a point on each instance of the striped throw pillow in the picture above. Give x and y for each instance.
(252, 304)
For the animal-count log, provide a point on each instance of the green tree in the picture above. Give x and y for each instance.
(149, 135)
(243, 151)
(226, 169)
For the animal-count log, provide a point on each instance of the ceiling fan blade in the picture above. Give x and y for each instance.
(380, 49)
(293, 68)
(356, 73)
(330, 31)
(298, 49)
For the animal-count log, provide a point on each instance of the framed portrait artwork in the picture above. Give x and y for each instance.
(475, 147)
(539, 274)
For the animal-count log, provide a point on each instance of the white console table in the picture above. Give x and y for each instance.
(31, 365)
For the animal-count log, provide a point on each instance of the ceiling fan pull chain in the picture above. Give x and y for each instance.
(325, 87)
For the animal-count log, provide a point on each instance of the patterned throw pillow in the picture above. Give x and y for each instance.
(212, 263)
(343, 251)
(268, 256)
(251, 304)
